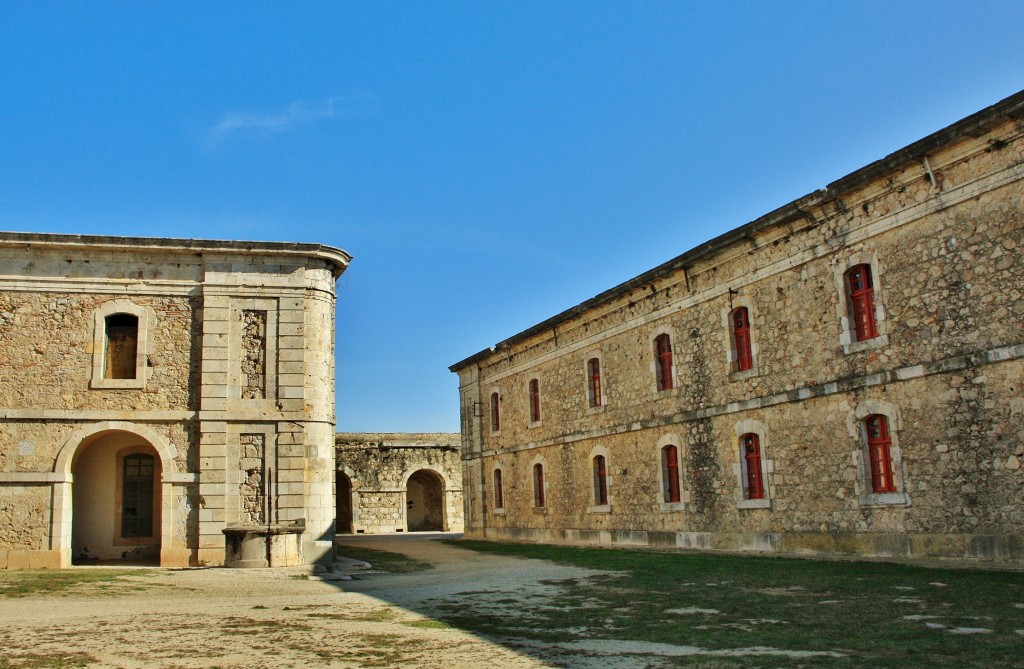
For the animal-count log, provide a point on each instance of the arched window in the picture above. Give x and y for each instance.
(594, 382)
(663, 361)
(876, 427)
(495, 412)
(534, 401)
(499, 493)
(670, 473)
(861, 292)
(538, 485)
(137, 496)
(600, 481)
(121, 345)
(741, 339)
(750, 459)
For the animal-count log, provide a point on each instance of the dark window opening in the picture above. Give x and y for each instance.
(121, 341)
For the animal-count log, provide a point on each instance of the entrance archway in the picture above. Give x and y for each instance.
(424, 500)
(116, 500)
(343, 502)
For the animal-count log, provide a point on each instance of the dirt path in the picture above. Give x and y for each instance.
(274, 618)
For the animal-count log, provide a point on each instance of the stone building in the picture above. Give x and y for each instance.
(843, 375)
(398, 482)
(155, 392)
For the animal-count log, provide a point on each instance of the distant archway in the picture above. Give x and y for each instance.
(343, 502)
(424, 500)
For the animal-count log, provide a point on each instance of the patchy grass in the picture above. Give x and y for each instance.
(394, 563)
(875, 614)
(68, 582)
(46, 661)
(427, 624)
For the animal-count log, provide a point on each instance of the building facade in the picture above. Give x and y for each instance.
(398, 482)
(843, 375)
(156, 392)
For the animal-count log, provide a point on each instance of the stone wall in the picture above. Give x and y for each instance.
(941, 227)
(229, 390)
(379, 466)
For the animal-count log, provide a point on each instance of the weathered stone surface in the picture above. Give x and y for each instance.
(945, 368)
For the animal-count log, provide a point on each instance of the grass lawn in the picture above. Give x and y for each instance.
(65, 581)
(874, 614)
(382, 560)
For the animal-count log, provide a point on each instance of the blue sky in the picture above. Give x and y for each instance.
(488, 164)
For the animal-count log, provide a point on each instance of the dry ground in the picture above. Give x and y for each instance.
(270, 618)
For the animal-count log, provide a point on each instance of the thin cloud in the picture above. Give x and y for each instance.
(296, 113)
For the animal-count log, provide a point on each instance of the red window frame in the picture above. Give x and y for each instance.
(750, 447)
(861, 288)
(538, 485)
(594, 381)
(670, 467)
(663, 356)
(499, 493)
(534, 401)
(600, 481)
(495, 412)
(741, 339)
(876, 427)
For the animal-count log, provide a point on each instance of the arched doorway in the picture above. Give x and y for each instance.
(424, 501)
(343, 502)
(116, 500)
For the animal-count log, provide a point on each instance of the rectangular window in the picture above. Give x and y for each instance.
(741, 339)
(670, 470)
(137, 496)
(121, 342)
(495, 412)
(594, 382)
(600, 481)
(663, 353)
(880, 453)
(862, 302)
(538, 485)
(534, 401)
(499, 494)
(751, 452)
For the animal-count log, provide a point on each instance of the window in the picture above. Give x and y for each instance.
(741, 339)
(600, 481)
(876, 427)
(499, 493)
(663, 361)
(670, 472)
(594, 382)
(534, 401)
(861, 292)
(750, 459)
(119, 345)
(495, 412)
(121, 338)
(137, 496)
(538, 485)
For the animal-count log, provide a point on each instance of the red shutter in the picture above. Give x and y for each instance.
(594, 366)
(671, 455)
(534, 401)
(495, 412)
(741, 337)
(538, 485)
(879, 452)
(752, 458)
(862, 302)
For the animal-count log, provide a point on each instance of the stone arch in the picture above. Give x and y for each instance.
(81, 439)
(424, 499)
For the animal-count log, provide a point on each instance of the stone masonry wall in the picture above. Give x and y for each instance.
(379, 464)
(946, 370)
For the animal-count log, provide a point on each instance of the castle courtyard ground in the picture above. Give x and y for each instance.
(442, 605)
